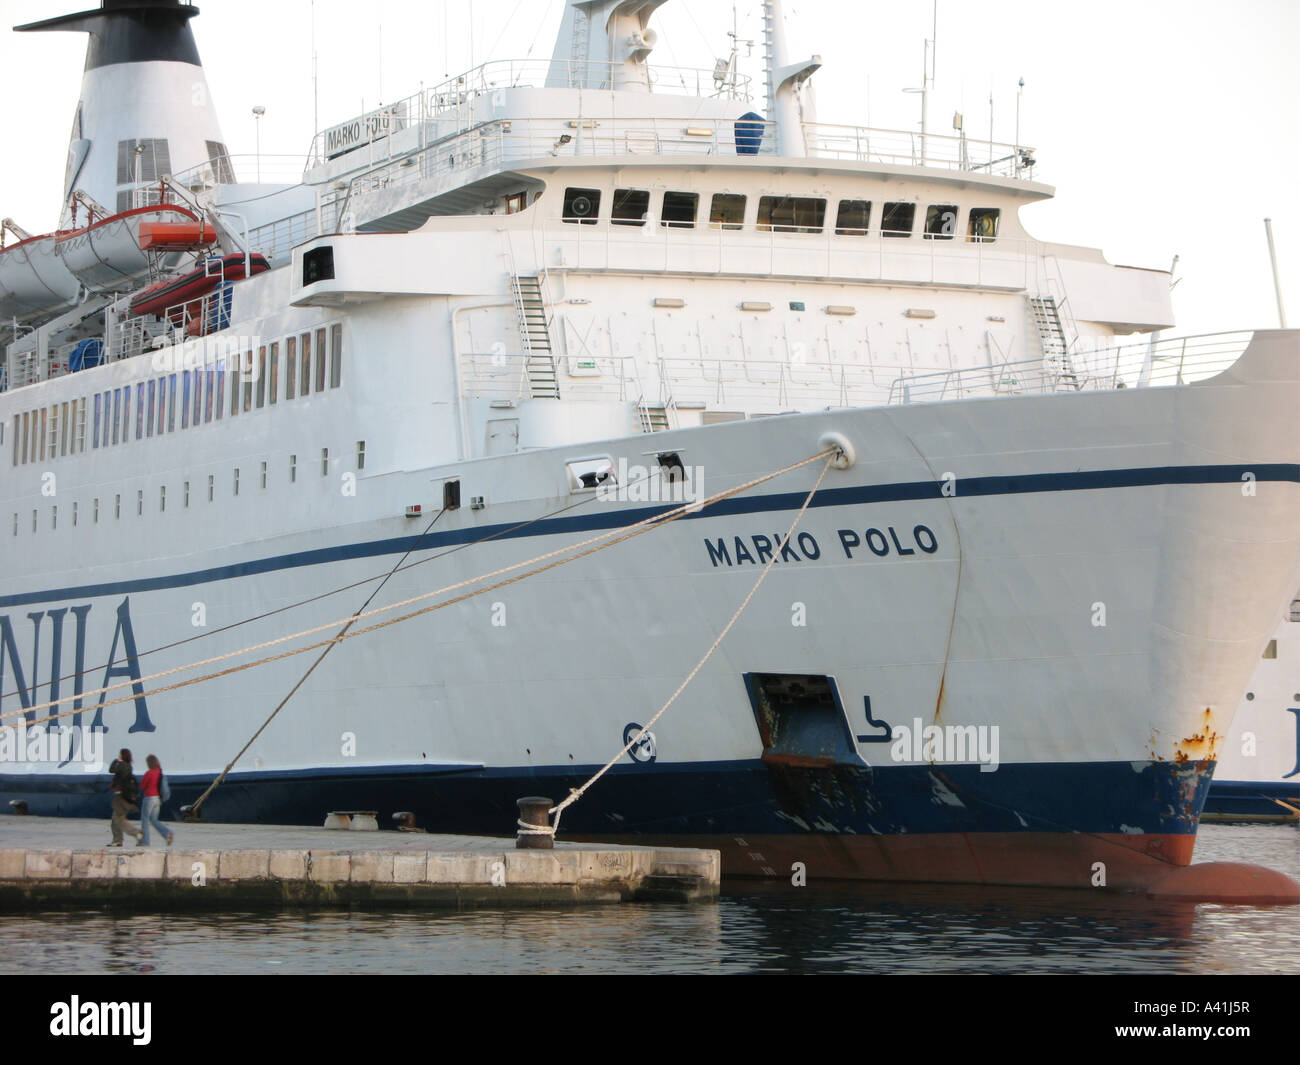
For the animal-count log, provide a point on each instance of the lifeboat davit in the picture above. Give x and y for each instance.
(189, 289)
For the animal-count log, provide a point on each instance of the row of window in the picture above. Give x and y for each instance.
(781, 214)
(312, 362)
(263, 480)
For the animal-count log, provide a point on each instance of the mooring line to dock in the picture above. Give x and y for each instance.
(576, 793)
(580, 549)
(509, 529)
(194, 810)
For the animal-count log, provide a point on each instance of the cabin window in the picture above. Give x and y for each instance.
(983, 224)
(791, 214)
(234, 388)
(117, 413)
(54, 517)
(581, 206)
(290, 367)
(361, 454)
(896, 219)
(186, 494)
(209, 393)
(117, 506)
(211, 485)
(74, 513)
(153, 403)
(304, 355)
(940, 221)
(219, 404)
(630, 207)
(1270, 651)
(336, 355)
(171, 403)
(185, 399)
(320, 360)
(853, 217)
(273, 367)
(139, 411)
(516, 202)
(139, 503)
(95, 510)
(247, 367)
(162, 498)
(727, 210)
(198, 398)
(679, 209)
(236, 480)
(324, 462)
(261, 377)
(263, 474)
(293, 468)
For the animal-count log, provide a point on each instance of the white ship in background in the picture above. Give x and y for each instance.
(525, 308)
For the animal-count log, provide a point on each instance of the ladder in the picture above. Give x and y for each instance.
(535, 331)
(653, 419)
(1046, 318)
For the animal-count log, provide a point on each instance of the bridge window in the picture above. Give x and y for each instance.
(791, 214)
(727, 211)
(896, 219)
(983, 224)
(940, 221)
(853, 217)
(581, 206)
(679, 209)
(630, 208)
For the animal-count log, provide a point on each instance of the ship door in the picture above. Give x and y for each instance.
(800, 720)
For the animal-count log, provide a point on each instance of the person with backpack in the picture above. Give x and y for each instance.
(126, 795)
(156, 792)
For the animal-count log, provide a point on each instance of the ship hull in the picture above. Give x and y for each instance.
(1077, 585)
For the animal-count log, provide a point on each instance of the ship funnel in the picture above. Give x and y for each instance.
(604, 44)
(145, 111)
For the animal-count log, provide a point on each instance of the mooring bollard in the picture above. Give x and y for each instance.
(19, 806)
(534, 824)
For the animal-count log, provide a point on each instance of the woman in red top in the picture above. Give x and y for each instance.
(151, 788)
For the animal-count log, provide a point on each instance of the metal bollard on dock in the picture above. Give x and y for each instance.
(534, 824)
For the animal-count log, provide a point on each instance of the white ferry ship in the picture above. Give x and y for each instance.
(1039, 558)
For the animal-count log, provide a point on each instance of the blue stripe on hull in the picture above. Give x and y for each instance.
(611, 518)
(1251, 797)
(697, 799)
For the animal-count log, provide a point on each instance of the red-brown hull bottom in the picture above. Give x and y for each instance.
(1154, 865)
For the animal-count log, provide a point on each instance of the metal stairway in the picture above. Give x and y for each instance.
(653, 419)
(535, 332)
(1046, 318)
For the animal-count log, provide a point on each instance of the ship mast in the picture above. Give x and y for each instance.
(783, 81)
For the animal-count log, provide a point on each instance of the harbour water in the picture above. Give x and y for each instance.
(830, 928)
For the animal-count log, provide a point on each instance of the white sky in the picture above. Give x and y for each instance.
(1167, 126)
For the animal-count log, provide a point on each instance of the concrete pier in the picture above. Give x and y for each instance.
(54, 862)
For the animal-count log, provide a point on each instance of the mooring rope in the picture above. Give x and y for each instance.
(581, 549)
(576, 793)
(221, 777)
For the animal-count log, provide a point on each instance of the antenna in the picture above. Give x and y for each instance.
(1277, 283)
(315, 75)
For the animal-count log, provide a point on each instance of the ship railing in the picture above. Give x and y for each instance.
(913, 148)
(269, 168)
(184, 322)
(276, 240)
(1139, 364)
(762, 385)
(750, 248)
(457, 97)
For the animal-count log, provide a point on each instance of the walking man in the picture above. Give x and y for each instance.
(126, 795)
